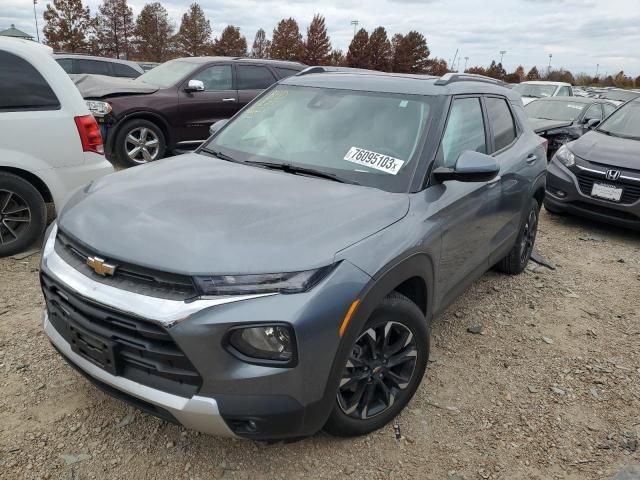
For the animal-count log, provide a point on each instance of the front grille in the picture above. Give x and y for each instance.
(132, 278)
(630, 190)
(122, 344)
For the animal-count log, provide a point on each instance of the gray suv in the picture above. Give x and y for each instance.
(283, 278)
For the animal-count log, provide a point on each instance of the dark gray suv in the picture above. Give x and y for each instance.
(282, 279)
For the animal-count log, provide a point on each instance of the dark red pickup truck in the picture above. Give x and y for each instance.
(172, 106)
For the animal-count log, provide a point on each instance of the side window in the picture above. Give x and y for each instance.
(608, 109)
(121, 70)
(504, 128)
(286, 72)
(94, 67)
(252, 77)
(217, 77)
(564, 92)
(66, 64)
(594, 112)
(464, 130)
(22, 87)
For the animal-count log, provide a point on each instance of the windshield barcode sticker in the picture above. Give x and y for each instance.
(381, 162)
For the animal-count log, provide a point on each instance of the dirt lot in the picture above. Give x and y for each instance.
(551, 389)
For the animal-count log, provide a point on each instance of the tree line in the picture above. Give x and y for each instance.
(114, 31)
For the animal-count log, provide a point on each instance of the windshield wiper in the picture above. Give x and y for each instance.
(220, 155)
(289, 168)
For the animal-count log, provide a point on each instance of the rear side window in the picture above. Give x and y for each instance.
(594, 113)
(254, 78)
(286, 72)
(608, 109)
(565, 92)
(504, 129)
(121, 70)
(22, 87)
(464, 131)
(66, 64)
(95, 67)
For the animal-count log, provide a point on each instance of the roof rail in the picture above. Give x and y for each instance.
(328, 69)
(452, 77)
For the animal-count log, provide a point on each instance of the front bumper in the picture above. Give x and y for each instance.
(563, 194)
(198, 413)
(234, 397)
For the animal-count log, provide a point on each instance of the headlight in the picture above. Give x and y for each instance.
(565, 156)
(97, 108)
(292, 282)
(270, 343)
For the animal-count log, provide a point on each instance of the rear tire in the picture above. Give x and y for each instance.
(516, 261)
(401, 336)
(23, 214)
(139, 141)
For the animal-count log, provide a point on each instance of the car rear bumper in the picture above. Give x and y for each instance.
(563, 194)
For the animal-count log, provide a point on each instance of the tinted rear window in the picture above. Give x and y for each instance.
(22, 87)
(66, 64)
(92, 66)
(254, 78)
(121, 70)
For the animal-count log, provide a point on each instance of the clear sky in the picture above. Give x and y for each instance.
(578, 33)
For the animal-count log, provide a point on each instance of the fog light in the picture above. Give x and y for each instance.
(560, 194)
(264, 344)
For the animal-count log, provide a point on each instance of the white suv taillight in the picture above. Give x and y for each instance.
(89, 134)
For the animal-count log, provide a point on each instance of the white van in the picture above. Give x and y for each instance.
(50, 144)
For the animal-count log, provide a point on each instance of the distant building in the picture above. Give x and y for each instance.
(14, 32)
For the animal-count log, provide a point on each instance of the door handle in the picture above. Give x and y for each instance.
(531, 158)
(229, 100)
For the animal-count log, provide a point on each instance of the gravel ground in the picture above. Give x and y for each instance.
(549, 389)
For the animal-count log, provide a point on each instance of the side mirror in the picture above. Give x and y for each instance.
(593, 123)
(470, 167)
(194, 86)
(215, 127)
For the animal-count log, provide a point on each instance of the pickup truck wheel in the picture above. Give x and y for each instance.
(516, 261)
(139, 141)
(384, 369)
(22, 214)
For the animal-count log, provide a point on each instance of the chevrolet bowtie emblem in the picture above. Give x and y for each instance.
(100, 267)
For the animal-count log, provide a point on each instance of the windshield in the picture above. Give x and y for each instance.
(168, 74)
(533, 90)
(372, 139)
(552, 110)
(619, 95)
(624, 122)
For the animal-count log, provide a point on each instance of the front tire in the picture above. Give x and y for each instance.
(385, 367)
(22, 214)
(139, 141)
(518, 258)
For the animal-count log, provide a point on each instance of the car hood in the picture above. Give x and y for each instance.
(540, 125)
(194, 214)
(614, 151)
(527, 100)
(100, 86)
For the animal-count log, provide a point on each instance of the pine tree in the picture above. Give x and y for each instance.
(317, 48)
(533, 74)
(287, 41)
(437, 66)
(194, 36)
(380, 52)
(115, 28)
(153, 33)
(358, 53)
(496, 70)
(67, 24)
(337, 58)
(410, 53)
(519, 72)
(230, 43)
(261, 46)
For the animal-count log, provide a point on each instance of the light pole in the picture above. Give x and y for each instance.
(466, 59)
(355, 24)
(502, 52)
(597, 69)
(549, 68)
(35, 16)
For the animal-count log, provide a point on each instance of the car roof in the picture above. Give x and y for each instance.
(93, 57)
(542, 82)
(23, 46)
(261, 61)
(571, 99)
(411, 84)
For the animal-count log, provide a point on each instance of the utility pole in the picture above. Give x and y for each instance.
(355, 24)
(466, 59)
(35, 16)
(502, 52)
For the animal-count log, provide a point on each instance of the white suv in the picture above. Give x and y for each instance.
(539, 89)
(50, 144)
